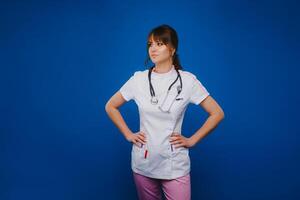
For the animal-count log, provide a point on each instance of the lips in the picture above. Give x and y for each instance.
(154, 55)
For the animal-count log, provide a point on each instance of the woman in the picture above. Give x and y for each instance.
(160, 153)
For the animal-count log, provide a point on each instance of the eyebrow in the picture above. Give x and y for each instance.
(155, 41)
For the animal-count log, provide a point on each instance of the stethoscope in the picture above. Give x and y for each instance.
(154, 100)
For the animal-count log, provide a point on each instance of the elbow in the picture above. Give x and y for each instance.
(221, 115)
(107, 107)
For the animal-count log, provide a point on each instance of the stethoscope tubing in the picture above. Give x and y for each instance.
(152, 92)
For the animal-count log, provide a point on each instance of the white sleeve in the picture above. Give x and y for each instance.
(127, 90)
(198, 92)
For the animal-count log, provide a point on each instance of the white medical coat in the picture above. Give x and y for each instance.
(162, 161)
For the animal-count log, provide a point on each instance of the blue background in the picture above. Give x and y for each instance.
(62, 60)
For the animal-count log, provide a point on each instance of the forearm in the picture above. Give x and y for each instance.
(118, 120)
(210, 124)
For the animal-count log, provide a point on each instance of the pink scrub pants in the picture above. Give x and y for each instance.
(150, 188)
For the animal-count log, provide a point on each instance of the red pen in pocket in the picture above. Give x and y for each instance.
(146, 153)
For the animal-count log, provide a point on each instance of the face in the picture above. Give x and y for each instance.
(159, 52)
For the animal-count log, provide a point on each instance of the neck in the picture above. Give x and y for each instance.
(162, 67)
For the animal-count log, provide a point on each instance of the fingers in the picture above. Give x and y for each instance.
(142, 137)
(139, 138)
(177, 140)
(137, 142)
(175, 137)
(179, 145)
(175, 134)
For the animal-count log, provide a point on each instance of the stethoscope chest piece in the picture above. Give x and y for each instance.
(179, 88)
(154, 100)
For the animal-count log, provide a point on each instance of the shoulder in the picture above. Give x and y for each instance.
(188, 76)
(141, 74)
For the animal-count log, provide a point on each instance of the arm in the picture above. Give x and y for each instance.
(216, 114)
(113, 112)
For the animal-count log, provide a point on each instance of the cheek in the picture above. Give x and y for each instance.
(165, 52)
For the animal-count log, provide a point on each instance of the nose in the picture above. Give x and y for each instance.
(153, 47)
(152, 51)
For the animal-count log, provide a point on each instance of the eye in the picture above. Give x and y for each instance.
(160, 43)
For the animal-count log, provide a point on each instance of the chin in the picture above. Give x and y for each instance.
(156, 60)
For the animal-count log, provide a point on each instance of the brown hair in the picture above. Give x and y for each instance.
(167, 35)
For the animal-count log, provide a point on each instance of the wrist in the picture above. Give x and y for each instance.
(128, 136)
(193, 141)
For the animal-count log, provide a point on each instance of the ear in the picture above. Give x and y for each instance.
(172, 52)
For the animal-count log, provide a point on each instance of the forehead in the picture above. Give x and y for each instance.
(153, 38)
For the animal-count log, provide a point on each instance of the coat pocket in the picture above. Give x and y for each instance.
(180, 159)
(160, 160)
(138, 157)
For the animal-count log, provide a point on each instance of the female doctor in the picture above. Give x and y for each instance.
(160, 153)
